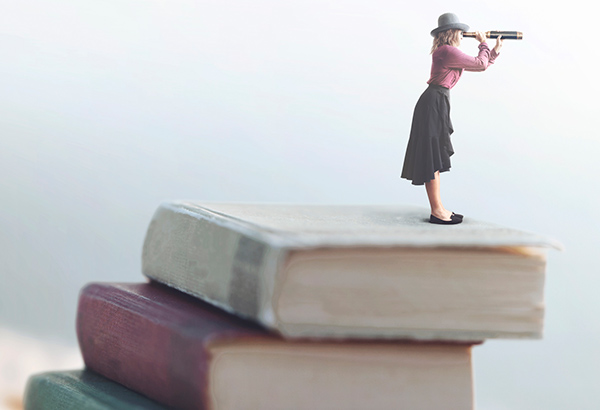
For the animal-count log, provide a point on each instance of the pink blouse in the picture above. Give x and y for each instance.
(448, 63)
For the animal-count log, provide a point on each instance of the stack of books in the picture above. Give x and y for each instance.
(269, 306)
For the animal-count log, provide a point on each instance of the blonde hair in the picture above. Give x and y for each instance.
(447, 37)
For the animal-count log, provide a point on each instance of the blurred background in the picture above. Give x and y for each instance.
(110, 107)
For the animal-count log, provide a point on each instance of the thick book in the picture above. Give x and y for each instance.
(352, 271)
(82, 390)
(185, 353)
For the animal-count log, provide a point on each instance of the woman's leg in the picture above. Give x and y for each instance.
(435, 200)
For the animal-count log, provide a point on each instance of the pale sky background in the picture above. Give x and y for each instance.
(109, 107)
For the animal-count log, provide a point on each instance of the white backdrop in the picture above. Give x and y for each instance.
(109, 107)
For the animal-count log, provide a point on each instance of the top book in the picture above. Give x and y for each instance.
(364, 271)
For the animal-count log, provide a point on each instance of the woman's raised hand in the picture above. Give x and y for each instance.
(499, 43)
(480, 36)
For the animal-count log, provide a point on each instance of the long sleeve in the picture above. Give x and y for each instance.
(457, 59)
(448, 64)
(493, 56)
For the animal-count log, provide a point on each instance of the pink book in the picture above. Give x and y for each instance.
(187, 354)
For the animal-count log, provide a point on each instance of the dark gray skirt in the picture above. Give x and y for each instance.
(429, 148)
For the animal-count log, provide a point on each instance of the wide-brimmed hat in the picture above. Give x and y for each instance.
(448, 21)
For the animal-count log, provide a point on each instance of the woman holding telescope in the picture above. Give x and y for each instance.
(429, 146)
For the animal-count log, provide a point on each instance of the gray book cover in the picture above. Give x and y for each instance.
(240, 258)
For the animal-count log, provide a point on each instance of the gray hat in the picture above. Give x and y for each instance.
(448, 21)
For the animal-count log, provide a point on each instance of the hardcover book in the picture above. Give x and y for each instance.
(187, 354)
(79, 390)
(352, 271)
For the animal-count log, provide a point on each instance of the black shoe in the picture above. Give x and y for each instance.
(453, 220)
(457, 215)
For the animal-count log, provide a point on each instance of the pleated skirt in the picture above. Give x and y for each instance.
(429, 147)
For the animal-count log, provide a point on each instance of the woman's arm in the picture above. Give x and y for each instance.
(457, 59)
(494, 53)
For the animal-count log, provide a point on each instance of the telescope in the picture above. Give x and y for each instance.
(506, 35)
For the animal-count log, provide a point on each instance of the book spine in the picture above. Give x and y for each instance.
(81, 389)
(139, 343)
(215, 260)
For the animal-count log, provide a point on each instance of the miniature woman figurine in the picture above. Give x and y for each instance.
(429, 146)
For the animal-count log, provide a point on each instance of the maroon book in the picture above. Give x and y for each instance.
(187, 354)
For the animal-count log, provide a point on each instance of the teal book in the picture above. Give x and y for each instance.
(81, 390)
